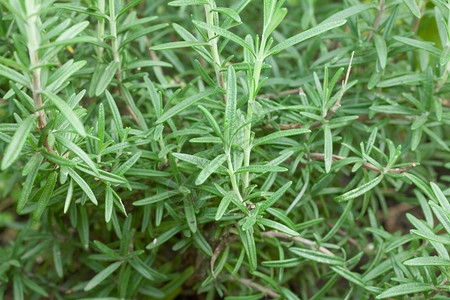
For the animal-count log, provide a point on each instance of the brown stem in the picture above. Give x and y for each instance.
(316, 123)
(258, 287)
(336, 106)
(298, 239)
(33, 45)
(282, 93)
(368, 166)
(445, 102)
(377, 20)
(350, 239)
(219, 250)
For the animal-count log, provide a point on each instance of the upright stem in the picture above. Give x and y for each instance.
(252, 96)
(115, 51)
(115, 42)
(233, 178)
(100, 27)
(213, 43)
(33, 36)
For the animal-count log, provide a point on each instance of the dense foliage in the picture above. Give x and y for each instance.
(202, 149)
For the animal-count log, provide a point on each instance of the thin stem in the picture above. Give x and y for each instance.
(377, 20)
(233, 178)
(265, 290)
(368, 166)
(33, 46)
(210, 15)
(252, 96)
(115, 42)
(100, 27)
(298, 239)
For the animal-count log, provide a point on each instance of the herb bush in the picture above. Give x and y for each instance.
(199, 149)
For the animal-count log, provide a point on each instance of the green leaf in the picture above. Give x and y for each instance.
(164, 237)
(210, 168)
(282, 263)
(142, 63)
(57, 261)
(380, 46)
(202, 244)
(28, 185)
(144, 269)
(45, 196)
(116, 115)
(224, 203)
(141, 33)
(103, 175)
(14, 148)
(249, 221)
(102, 275)
(360, 190)
(317, 256)
(279, 134)
(413, 7)
(212, 121)
(230, 106)
(14, 75)
(67, 111)
(225, 33)
(156, 198)
(68, 197)
(80, 9)
(348, 12)
(109, 203)
(155, 97)
(106, 77)
(17, 286)
(428, 261)
(305, 35)
(176, 45)
(328, 147)
(402, 80)
(228, 12)
(420, 184)
(274, 198)
(350, 276)
(405, 289)
(84, 186)
(248, 242)
(260, 169)
(275, 20)
(426, 46)
(440, 197)
(184, 104)
(127, 7)
(190, 215)
(57, 159)
(394, 110)
(79, 152)
(187, 2)
(124, 167)
(277, 226)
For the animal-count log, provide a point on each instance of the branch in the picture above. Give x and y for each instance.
(366, 165)
(377, 20)
(219, 250)
(294, 91)
(298, 239)
(254, 285)
(282, 93)
(33, 46)
(338, 101)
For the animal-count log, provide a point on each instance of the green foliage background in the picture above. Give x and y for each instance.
(196, 149)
